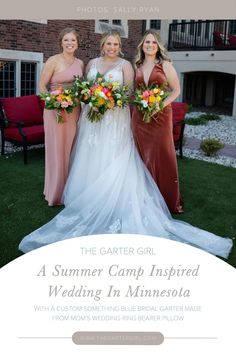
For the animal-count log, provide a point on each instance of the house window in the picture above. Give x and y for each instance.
(117, 22)
(153, 24)
(121, 26)
(7, 79)
(28, 78)
(8, 74)
(19, 72)
(232, 27)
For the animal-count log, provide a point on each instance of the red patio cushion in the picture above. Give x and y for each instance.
(179, 110)
(25, 109)
(35, 134)
(42, 103)
(218, 39)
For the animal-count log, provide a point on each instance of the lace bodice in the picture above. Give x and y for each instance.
(114, 74)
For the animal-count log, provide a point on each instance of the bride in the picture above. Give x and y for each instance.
(109, 190)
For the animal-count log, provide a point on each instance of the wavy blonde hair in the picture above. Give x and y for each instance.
(161, 52)
(107, 34)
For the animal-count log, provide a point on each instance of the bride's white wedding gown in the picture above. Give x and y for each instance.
(109, 189)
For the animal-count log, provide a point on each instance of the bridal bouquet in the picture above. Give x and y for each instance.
(150, 100)
(60, 99)
(101, 95)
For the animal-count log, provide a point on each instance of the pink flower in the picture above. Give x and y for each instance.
(105, 90)
(64, 104)
(146, 94)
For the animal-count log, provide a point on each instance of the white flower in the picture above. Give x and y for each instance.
(48, 98)
(144, 103)
(102, 94)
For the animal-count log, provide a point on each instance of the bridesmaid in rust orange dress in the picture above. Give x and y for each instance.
(154, 140)
(59, 70)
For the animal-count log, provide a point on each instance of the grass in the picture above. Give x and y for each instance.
(208, 191)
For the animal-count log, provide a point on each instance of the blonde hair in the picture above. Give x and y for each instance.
(161, 52)
(64, 32)
(107, 34)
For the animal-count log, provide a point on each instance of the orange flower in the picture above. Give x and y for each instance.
(59, 98)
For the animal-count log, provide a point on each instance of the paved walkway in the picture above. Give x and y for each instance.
(228, 150)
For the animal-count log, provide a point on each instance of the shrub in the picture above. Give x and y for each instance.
(211, 146)
(202, 119)
(195, 121)
(210, 116)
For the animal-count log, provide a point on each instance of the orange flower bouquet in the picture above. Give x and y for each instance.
(60, 99)
(101, 95)
(149, 100)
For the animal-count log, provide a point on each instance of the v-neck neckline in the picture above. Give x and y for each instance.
(146, 84)
(106, 72)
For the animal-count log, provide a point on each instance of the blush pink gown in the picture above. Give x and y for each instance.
(59, 139)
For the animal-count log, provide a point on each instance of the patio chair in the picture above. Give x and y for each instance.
(21, 122)
(179, 110)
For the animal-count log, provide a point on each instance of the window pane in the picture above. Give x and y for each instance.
(232, 27)
(28, 78)
(107, 21)
(116, 22)
(7, 79)
(155, 24)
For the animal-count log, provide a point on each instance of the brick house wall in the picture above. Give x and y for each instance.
(37, 37)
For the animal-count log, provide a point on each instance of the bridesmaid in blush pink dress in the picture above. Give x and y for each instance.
(59, 70)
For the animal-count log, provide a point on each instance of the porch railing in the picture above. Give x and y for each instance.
(202, 35)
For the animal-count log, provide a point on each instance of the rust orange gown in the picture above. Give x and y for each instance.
(155, 144)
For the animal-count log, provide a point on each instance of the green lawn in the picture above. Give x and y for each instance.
(208, 191)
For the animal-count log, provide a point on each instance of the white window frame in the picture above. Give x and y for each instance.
(42, 21)
(110, 25)
(18, 56)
